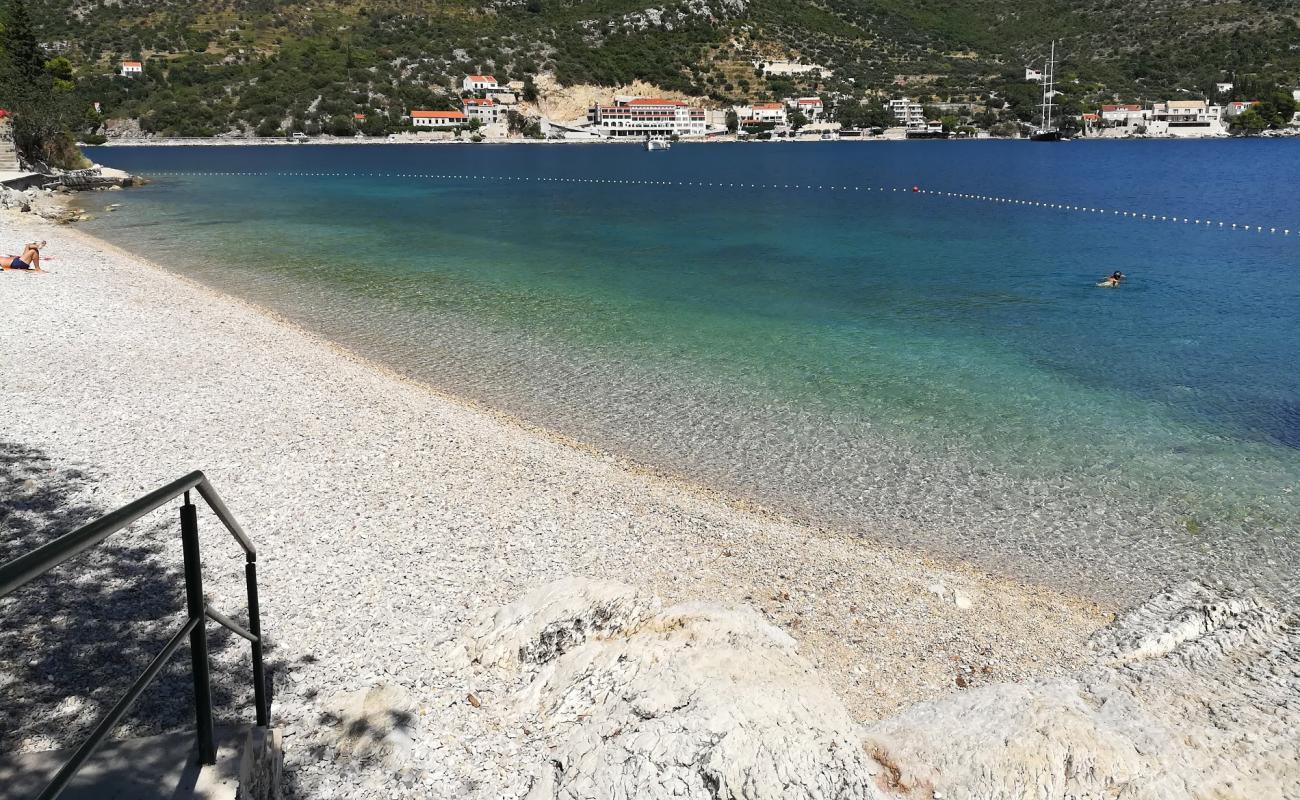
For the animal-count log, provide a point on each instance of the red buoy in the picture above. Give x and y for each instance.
(916, 188)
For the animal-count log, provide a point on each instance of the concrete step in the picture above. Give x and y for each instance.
(152, 768)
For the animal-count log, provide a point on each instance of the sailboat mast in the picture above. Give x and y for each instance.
(1045, 108)
(1051, 83)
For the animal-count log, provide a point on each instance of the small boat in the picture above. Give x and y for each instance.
(657, 144)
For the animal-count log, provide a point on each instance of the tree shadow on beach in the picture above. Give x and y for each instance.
(73, 641)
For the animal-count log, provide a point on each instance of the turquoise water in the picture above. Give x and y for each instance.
(932, 370)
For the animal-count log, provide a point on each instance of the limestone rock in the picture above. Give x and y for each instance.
(372, 724)
(699, 700)
(1195, 697)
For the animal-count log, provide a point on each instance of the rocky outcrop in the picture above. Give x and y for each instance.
(699, 700)
(41, 202)
(1195, 694)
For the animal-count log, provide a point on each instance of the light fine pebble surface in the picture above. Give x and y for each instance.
(388, 517)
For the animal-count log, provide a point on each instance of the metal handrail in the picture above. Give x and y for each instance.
(30, 566)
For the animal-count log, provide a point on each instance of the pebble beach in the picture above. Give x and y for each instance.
(389, 516)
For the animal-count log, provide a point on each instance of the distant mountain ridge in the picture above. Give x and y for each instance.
(381, 54)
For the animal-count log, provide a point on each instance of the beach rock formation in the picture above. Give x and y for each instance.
(1194, 694)
(700, 700)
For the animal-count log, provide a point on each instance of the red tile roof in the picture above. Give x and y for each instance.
(483, 78)
(132, 64)
(809, 101)
(421, 114)
(768, 106)
(1125, 107)
(476, 101)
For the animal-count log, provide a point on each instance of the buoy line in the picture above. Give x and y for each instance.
(1071, 207)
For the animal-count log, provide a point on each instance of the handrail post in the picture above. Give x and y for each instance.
(260, 701)
(198, 636)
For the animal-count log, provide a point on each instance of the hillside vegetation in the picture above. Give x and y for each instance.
(276, 65)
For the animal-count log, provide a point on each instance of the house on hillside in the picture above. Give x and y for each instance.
(132, 68)
(761, 113)
(909, 114)
(1126, 114)
(485, 110)
(479, 83)
(1238, 107)
(1186, 118)
(1223, 88)
(810, 107)
(1032, 74)
(790, 68)
(422, 118)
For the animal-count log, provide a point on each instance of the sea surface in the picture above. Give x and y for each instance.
(794, 325)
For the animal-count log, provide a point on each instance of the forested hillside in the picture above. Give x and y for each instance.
(273, 65)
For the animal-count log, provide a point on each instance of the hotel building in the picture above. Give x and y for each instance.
(644, 117)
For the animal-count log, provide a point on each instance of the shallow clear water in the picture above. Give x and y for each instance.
(927, 369)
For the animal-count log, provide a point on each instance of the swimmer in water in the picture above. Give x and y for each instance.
(1113, 280)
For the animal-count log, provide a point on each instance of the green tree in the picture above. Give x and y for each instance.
(1249, 122)
(530, 89)
(268, 128)
(341, 125)
(797, 120)
(44, 108)
(733, 121)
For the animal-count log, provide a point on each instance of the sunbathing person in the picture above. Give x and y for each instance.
(29, 260)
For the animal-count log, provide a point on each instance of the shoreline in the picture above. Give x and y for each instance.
(730, 139)
(356, 481)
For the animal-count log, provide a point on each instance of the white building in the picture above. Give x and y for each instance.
(421, 118)
(1238, 107)
(132, 68)
(1126, 114)
(760, 113)
(485, 111)
(1295, 95)
(1032, 74)
(908, 113)
(479, 83)
(810, 107)
(1186, 118)
(643, 117)
(789, 68)
(1223, 88)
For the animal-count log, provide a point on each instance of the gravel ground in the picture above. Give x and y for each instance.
(388, 516)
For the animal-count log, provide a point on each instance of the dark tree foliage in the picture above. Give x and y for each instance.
(40, 99)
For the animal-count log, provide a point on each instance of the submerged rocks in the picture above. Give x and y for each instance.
(1194, 695)
(700, 700)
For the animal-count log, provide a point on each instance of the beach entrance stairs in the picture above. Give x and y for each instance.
(207, 762)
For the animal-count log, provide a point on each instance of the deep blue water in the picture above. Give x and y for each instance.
(934, 370)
